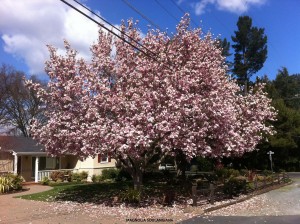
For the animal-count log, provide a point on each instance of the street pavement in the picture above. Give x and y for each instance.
(278, 206)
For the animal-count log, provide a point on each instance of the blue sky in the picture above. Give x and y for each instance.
(27, 26)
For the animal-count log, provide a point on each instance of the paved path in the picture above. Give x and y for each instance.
(277, 206)
(16, 210)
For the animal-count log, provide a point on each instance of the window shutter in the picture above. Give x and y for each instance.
(99, 158)
(109, 157)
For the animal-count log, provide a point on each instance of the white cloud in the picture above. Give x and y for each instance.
(26, 28)
(235, 6)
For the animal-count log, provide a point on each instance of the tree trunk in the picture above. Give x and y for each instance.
(246, 86)
(135, 170)
(137, 177)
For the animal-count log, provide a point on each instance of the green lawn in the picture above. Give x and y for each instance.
(86, 192)
(104, 192)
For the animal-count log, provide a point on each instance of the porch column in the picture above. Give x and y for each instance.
(59, 163)
(15, 163)
(36, 176)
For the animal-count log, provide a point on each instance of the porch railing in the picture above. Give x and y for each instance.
(46, 173)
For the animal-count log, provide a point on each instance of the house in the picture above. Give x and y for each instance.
(23, 156)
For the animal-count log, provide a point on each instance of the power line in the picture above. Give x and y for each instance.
(101, 25)
(107, 22)
(141, 14)
(113, 33)
(166, 10)
(183, 11)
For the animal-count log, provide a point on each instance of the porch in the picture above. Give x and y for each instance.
(34, 167)
(46, 173)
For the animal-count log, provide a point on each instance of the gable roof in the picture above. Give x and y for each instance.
(20, 145)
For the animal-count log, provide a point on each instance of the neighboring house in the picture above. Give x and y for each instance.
(23, 156)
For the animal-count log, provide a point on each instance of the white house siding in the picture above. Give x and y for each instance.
(92, 166)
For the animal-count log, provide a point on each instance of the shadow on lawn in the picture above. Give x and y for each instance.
(110, 193)
(99, 193)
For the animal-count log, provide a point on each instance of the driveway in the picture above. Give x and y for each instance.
(278, 206)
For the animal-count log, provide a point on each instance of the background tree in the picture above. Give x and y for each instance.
(250, 50)
(179, 101)
(284, 91)
(18, 104)
(224, 45)
(288, 88)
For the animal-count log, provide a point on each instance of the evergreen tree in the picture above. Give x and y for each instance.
(224, 45)
(250, 50)
(288, 88)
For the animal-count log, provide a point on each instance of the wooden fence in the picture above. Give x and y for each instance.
(214, 188)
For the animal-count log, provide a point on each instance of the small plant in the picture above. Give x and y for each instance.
(109, 174)
(169, 196)
(194, 168)
(57, 176)
(123, 175)
(267, 172)
(235, 185)
(68, 176)
(5, 184)
(83, 175)
(250, 186)
(131, 195)
(96, 178)
(45, 181)
(76, 177)
(16, 181)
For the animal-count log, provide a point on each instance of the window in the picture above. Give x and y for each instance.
(51, 163)
(103, 158)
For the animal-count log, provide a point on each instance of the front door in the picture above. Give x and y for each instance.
(19, 165)
(33, 166)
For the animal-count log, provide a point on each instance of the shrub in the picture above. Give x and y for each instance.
(5, 184)
(131, 195)
(68, 176)
(194, 168)
(96, 178)
(260, 178)
(225, 173)
(83, 175)
(204, 164)
(45, 181)
(250, 186)
(233, 173)
(109, 174)
(267, 172)
(156, 176)
(16, 181)
(57, 176)
(244, 172)
(76, 177)
(123, 175)
(235, 185)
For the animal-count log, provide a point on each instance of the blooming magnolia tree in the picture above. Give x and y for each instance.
(136, 106)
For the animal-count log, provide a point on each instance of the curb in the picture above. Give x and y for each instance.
(255, 193)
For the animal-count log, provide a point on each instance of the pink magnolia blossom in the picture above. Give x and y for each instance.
(135, 105)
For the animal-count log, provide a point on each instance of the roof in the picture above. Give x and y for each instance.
(20, 145)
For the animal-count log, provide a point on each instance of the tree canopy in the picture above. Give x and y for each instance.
(250, 50)
(18, 104)
(181, 99)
